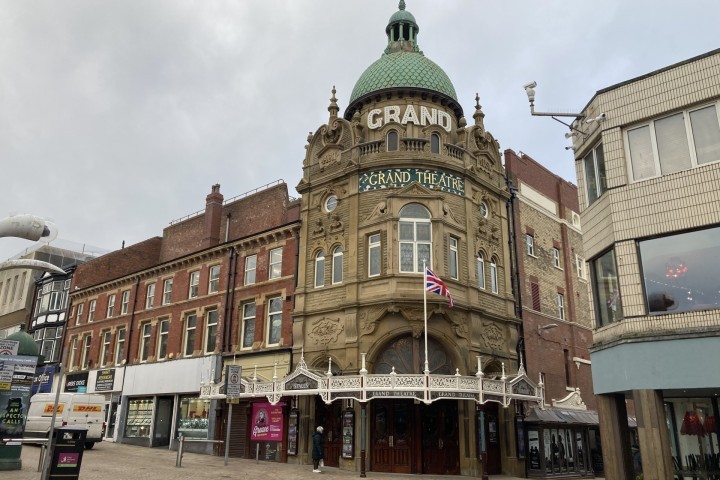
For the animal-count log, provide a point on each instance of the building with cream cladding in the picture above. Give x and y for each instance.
(401, 181)
(649, 181)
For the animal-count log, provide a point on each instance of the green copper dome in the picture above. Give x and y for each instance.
(403, 69)
(27, 344)
(402, 66)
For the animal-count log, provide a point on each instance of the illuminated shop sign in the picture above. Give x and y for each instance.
(400, 177)
(426, 116)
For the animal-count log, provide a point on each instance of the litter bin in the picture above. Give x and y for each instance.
(66, 452)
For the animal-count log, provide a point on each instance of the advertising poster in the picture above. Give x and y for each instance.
(14, 403)
(293, 432)
(76, 382)
(267, 422)
(105, 380)
(534, 444)
(42, 382)
(348, 426)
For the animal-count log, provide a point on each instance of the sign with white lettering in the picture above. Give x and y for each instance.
(426, 116)
(400, 177)
(76, 382)
(9, 347)
(105, 380)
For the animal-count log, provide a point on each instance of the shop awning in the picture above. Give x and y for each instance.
(567, 417)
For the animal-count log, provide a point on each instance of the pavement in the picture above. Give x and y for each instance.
(114, 461)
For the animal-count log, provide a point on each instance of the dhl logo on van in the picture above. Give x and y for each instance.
(49, 408)
(87, 408)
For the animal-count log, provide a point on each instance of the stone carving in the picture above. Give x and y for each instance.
(331, 133)
(358, 128)
(447, 212)
(573, 401)
(369, 318)
(336, 225)
(493, 336)
(380, 209)
(326, 330)
(319, 229)
(328, 158)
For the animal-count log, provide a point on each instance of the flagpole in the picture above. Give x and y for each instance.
(427, 365)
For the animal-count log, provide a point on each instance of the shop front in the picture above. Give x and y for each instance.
(694, 436)
(108, 382)
(161, 402)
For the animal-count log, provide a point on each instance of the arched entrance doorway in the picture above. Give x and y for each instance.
(410, 437)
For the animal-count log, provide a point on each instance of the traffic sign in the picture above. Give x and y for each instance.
(233, 381)
(9, 347)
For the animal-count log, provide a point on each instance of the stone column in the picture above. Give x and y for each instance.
(653, 434)
(615, 437)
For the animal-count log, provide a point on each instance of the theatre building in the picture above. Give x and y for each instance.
(398, 182)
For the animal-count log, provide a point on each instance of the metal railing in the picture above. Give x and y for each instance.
(181, 447)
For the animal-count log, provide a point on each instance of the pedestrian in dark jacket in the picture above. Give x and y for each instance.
(318, 448)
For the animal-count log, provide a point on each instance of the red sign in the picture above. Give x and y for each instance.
(267, 422)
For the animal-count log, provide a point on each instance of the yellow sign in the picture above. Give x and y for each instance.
(49, 409)
(87, 408)
(5, 385)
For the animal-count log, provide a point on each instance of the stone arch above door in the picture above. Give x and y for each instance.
(407, 354)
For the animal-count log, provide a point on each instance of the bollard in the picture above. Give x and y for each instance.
(41, 461)
(178, 458)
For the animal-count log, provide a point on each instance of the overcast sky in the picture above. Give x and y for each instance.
(116, 117)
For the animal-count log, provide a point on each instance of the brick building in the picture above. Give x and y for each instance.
(647, 155)
(151, 323)
(553, 303)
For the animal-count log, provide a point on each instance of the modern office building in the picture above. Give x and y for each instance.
(647, 155)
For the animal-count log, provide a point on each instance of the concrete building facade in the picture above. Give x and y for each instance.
(647, 153)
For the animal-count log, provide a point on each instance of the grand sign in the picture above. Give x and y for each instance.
(400, 177)
(427, 116)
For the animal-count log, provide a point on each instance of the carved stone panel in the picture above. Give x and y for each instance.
(326, 331)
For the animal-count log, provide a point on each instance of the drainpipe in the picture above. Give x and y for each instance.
(232, 299)
(515, 264)
(128, 345)
(227, 295)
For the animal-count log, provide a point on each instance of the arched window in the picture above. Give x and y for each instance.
(481, 270)
(337, 265)
(415, 238)
(392, 141)
(434, 143)
(320, 269)
(493, 275)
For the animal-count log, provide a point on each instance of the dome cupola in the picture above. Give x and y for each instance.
(403, 66)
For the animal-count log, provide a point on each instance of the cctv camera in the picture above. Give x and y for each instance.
(570, 134)
(599, 118)
(532, 84)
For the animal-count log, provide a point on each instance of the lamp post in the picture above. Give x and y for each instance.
(34, 228)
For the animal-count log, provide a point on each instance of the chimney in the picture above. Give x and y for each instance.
(213, 217)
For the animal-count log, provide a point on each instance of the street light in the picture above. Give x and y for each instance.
(29, 227)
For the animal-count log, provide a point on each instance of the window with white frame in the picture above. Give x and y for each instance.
(120, 346)
(337, 265)
(580, 267)
(674, 143)
(415, 238)
(214, 279)
(320, 269)
(78, 316)
(493, 276)
(561, 306)
(453, 258)
(481, 271)
(275, 268)
(111, 306)
(189, 341)
(595, 178)
(193, 291)
(211, 324)
(530, 240)
(125, 302)
(91, 310)
(105, 348)
(145, 333)
(150, 295)
(73, 352)
(248, 324)
(163, 331)
(374, 255)
(167, 291)
(556, 257)
(250, 267)
(85, 363)
(274, 321)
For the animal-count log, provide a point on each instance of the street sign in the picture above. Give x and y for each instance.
(9, 347)
(233, 379)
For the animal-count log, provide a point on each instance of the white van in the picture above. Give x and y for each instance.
(84, 410)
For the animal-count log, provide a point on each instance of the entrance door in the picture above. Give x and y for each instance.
(492, 432)
(163, 421)
(391, 436)
(329, 416)
(110, 417)
(441, 444)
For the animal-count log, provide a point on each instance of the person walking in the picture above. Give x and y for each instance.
(318, 448)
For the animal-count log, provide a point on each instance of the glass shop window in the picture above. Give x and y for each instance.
(139, 418)
(193, 417)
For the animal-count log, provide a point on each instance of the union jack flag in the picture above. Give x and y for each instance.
(435, 285)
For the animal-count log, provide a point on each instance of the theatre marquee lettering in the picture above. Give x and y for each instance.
(400, 177)
(457, 395)
(395, 394)
(426, 116)
(301, 382)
